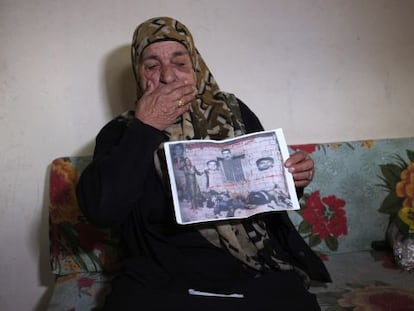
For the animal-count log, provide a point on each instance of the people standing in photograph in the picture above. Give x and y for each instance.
(214, 177)
(178, 161)
(192, 189)
(232, 166)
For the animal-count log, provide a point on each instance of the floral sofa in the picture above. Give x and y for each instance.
(344, 213)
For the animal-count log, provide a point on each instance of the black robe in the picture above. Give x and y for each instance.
(122, 188)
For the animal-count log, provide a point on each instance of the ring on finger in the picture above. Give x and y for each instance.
(310, 175)
(180, 103)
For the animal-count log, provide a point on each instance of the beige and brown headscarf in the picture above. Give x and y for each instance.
(213, 115)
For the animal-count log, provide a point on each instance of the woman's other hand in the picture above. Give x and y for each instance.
(301, 165)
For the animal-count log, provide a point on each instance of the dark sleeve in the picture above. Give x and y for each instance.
(114, 181)
(252, 124)
(251, 121)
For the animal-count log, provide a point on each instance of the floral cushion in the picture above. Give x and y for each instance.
(343, 208)
(76, 245)
(365, 280)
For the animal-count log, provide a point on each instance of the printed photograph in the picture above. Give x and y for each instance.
(234, 178)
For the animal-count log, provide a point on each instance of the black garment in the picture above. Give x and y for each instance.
(276, 291)
(122, 188)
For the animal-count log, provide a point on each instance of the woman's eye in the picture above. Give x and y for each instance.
(151, 66)
(182, 64)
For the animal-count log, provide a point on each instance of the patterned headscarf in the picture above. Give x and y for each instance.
(213, 115)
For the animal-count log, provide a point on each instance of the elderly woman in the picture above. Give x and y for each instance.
(260, 263)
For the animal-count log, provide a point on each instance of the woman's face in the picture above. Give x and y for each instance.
(165, 62)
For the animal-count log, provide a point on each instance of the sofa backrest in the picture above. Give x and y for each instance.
(353, 181)
(339, 210)
(76, 246)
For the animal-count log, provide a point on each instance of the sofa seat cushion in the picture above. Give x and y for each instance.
(80, 291)
(363, 279)
(370, 280)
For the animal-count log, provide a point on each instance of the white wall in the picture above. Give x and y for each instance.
(323, 70)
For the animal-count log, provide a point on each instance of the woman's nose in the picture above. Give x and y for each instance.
(167, 75)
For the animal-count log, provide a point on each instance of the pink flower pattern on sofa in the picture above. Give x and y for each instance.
(324, 219)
